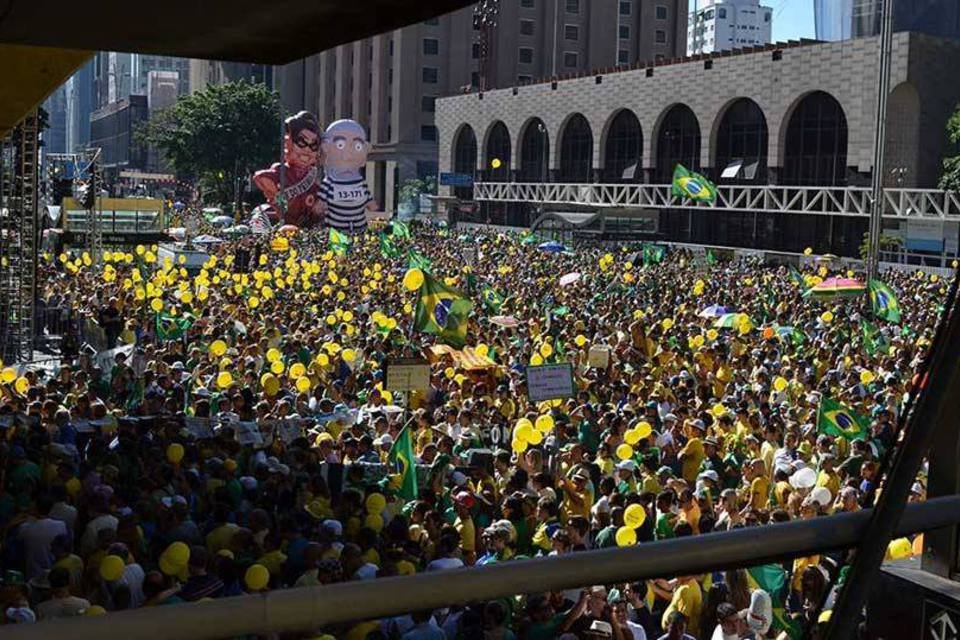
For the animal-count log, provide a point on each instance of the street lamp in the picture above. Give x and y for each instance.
(486, 17)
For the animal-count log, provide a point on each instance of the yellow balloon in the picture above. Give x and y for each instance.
(449, 372)
(257, 577)
(624, 452)
(177, 553)
(826, 317)
(712, 334)
(495, 163)
(634, 516)
(277, 367)
(218, 348)
(482, 350)
(899, 548)
(631, 437)
(111, 568)
(580, 340)
(666, 323)
(156, 304)
(626, 537)
(519, 446)
(273, 355)
(546, 350)
(536, 360)
(544, 423)
(303, 384)
(21, 385)
(808, 251)
(323, 359)
(535, 437)
(459, 378)
(522, 430)
(224, 379)
(866, 377)
(644, 430)
(297, 369)
(271, 385)
(348, 355)
(375, 503)
(253, 302)
(719, 410)
(780, 383)
(8, 375)
(745, 327)
(413, 279)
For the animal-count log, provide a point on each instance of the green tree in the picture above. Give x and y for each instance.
(887, 243)
(219, 134)
(950, 178)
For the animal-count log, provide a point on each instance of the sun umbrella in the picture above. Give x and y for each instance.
(288, 229)
(836, 288)
(238, 230)
(505, 321)
(222, 221)
(551, 247)
(730, 320)
(179, 205)
(715, 311)
(206, 239)
(569, 278)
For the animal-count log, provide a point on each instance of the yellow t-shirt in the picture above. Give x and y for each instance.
(799, 564)
(693, 456)
(759, 493)
(830, 481)
(468, 534)
(651, 485)
(688, 600)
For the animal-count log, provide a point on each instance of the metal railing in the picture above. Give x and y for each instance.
(310, 608)
(835, 201)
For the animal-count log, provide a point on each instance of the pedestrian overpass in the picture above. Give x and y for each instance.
(829, 201)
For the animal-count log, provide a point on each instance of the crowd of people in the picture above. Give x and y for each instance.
(233, 432)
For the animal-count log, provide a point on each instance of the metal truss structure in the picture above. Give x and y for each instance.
(833, 201)
(84, 167)
(19, 237)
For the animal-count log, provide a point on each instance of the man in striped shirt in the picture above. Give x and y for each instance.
(343, 191)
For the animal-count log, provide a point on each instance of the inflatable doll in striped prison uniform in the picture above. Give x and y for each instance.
(343, 190)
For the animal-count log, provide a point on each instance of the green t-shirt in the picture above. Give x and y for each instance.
(545, 630)
(588, 437)
(607, 537)
(664, 529)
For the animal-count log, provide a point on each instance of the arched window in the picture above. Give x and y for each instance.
(815, 147)
(535, 152)
(678, 142)
(576, 150)
(741, 146)
(498, 153)
(465, 159)
(623, 151)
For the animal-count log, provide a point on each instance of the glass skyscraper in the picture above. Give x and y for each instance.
(842, 19)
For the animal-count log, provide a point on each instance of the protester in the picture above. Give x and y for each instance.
(237, 431)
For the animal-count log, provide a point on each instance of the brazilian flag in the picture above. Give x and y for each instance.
(339, 242)
(834, 419)
(873, 340)
(773, 579)
(387, 248)
(400, 229)
(492, 299)
(692, 186)
(403, 473)
(442, 311)
(797, 278)
(171, 327)
(884, 301)
(653, 254)
(418, 261)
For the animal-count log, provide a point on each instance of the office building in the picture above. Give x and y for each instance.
(79, 88)
(204, 73)
(113, 128)
(723, 25)
(390, 82)
(117, 75)
(800, 115)
(55, 136)
(842, 19)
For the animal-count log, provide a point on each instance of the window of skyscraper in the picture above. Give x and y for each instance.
(525, 55)
(428, 132)
(527, 4)
(571, 32)
(661, 36)
(428, 103)
(624, 32)
(475, 51)
(526, 27)
(661, 12)
(431, 46)
(430, 75)
(623, 57)
(722, 13)
(432, 22)
(524, 79)
(570, 59)
(573, 6)
(766, 17)
(625, 7)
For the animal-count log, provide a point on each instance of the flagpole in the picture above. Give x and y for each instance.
(884, 46)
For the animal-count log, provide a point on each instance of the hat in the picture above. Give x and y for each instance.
(698, 424)
(333, 528)
(581, 474)
(666, 470)
(670, 417)
(627, 465)
(202, 392)
(601, 627)
(711, 441)
(459, 479)
(178, 366)
(711, 475)
(384, 440)
(249, 483)
(464, 499)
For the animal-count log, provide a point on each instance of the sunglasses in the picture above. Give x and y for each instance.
(303, 144)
